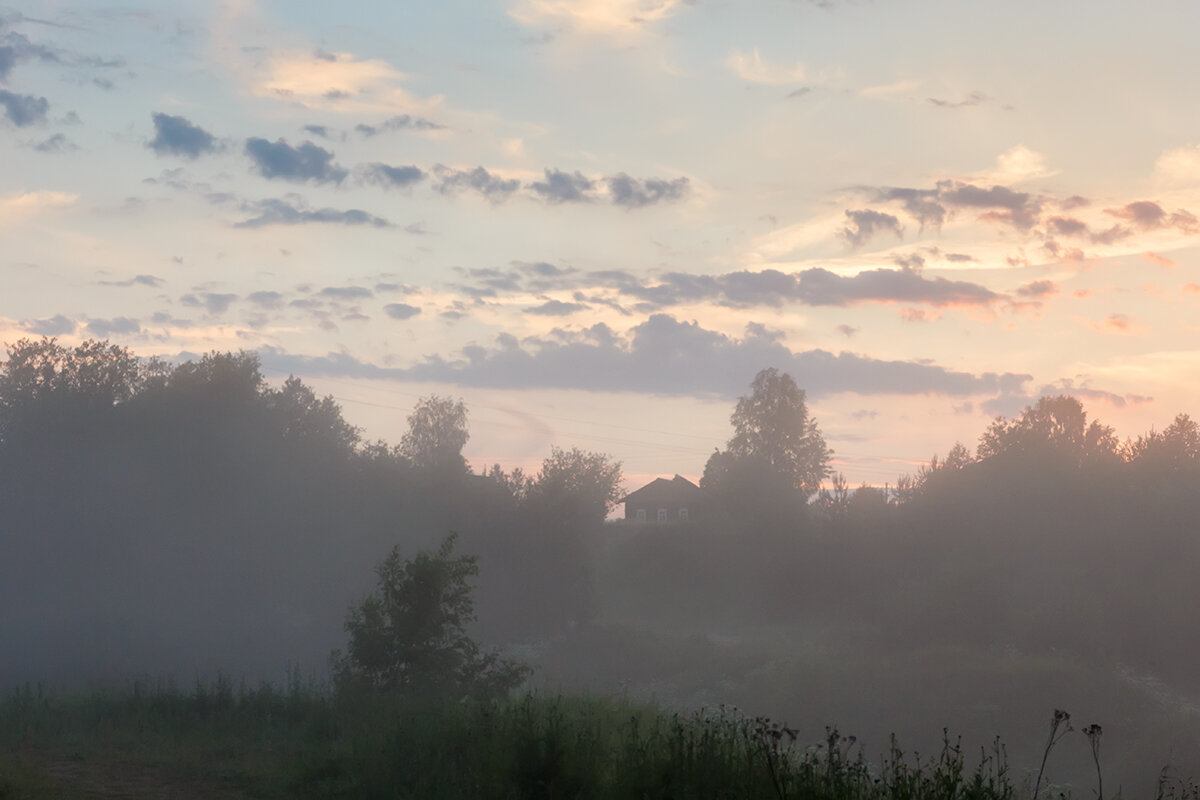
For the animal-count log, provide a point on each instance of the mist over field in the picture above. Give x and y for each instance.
(177, 522)
(742, 371)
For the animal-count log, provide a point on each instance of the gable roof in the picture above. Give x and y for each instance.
(677, 484)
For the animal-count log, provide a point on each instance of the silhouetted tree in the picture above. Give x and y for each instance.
(437, 433)
(772, 424)
(516, 484)
(1176, 446)
(302, 418)
(867, 504)
(1053, 424)
(576, 485)
(936, 471)
(411, 633)
(45, 377)
(833, 502)
(776, 457)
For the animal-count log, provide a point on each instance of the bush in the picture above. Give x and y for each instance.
(410, 635)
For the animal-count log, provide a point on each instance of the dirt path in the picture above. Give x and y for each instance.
(116, 780)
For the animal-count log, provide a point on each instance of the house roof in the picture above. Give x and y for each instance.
(678, 484)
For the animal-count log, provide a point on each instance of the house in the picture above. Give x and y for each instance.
(663, 500)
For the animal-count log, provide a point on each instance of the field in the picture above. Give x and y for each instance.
(222, 741)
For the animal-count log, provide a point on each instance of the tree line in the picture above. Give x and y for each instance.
(169, 518)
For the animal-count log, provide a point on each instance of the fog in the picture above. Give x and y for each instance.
(173, 521)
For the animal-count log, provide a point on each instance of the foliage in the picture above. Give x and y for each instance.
(303, 417)
(263, 742)
(773, 436)
(516, 484)
(437, 433)
(576, 484)
(411, 634)
(1055, 424)
(1176, 447)
(47, 377)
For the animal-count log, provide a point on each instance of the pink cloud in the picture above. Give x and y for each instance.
(1116, 323)
(919, 315)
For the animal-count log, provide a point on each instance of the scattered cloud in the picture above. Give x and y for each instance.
(493, 187)
(1067, 226)
(864, 224)
(24, 110)
(16, 48)
(556, 308)
(1147, 215)
(337, 82)
(401, 310)
(563, 187)
(120, 326)
(401, 122)
(57, 325)
(921, 204)
(1039, 289)
(391, 177)
(152, 281)
(177, 136)
(1116, 323)
(1019, 209)
(975, 98)
(266, 299)
(1162, 261)
(57, 143)
(632, 193)
(276, 211)
(308, 162)
(346, 292)
(212, 302)
(919, 315)
(320, 131)
(1020, 164)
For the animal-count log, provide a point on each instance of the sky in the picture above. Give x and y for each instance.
(596, 220)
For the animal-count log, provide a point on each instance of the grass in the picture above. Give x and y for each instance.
(303, 741)
(218, 740)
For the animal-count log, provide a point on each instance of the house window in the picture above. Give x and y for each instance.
(683, 515)
(641, 515)
(662, 515)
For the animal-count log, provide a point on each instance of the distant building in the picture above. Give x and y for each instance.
(663, 500)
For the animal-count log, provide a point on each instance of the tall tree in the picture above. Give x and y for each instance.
(576, 485)
(771, 425)
(47, 377)
(1056, 424)
(411, 633)
(437, 433)
(1175, 447)
(302, 417)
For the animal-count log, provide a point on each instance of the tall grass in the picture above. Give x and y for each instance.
(306, 741)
